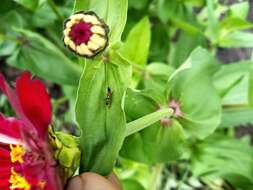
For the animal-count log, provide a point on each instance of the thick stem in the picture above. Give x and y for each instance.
(147, 120)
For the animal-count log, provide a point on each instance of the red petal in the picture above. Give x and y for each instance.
(4, 155)
(35, 102)
(13, 99)
(4, 184)
(10, 127)
(11, 95)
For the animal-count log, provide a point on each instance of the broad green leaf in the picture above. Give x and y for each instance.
(100, 114)
(237, 39)
(167, 9)
(43, 11)
(136, 47)
(155, 77)
(14, 18)
(231, 24)
(235, 117)
(239, 10)
(183, 47)
(159, 69)
(43, 58)
(28, 4)
(199, 102)
(7, 47)
(156, 143)
(239, 94)
(228, 76)
(114, 13)
(221, 156)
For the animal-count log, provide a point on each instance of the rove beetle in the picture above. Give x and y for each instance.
(108, 98)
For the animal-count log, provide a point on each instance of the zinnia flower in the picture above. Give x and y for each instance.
(26, 160)
(85, 34)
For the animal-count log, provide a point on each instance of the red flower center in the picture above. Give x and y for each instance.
(81, 33)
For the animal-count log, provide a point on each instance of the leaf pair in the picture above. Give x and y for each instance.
(191, 86)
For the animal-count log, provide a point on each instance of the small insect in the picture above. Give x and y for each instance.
(108, 98)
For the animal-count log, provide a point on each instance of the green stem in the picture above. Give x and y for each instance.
(55, 9)
(155, 177)
(147, 120)
(138, 67)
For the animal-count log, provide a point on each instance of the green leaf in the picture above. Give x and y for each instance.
(213, 22)
(183, 47)
(138, 5)
(28, 4)
(134, 51)
(158, 49)
(43, 58)
(7, 48)
(6, 6)
(199, 102)
(155, 143)
(81, 5)
(155, 77)
(186, 26)
(237, 39)
(228, 76)
(235, 117)
(100, 114)
(221, 156)
(114, 13)
(195, 2)
(175, 8)
(239, 94)
(14, 20)
(240, 10)
(136, 46)
(131, 184)
(231, 24)
(137, 171)
(250, 89)
(43, 11)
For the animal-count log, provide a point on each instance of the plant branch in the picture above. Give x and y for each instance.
(147, 120)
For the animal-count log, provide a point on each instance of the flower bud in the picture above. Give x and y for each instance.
(85, 34)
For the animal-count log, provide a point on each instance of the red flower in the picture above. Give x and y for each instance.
(26, 160)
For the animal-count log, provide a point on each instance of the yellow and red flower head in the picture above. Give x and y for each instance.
(25, 156)
(85, 34)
